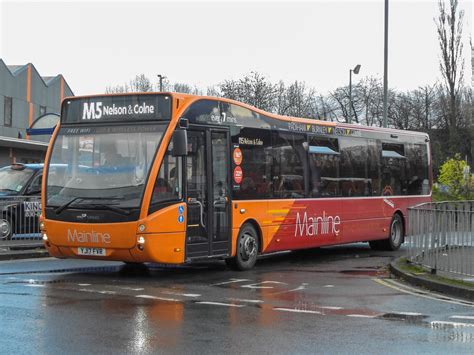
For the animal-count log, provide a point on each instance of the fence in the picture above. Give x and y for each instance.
(440, 236)
(19, 218)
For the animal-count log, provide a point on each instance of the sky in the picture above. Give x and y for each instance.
(98, 44)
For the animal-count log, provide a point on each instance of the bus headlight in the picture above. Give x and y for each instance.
(141, 240)
(42, 226)
(45, 237)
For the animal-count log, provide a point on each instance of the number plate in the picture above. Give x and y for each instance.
(91, 251)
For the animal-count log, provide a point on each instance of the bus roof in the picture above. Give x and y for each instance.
(188, 99)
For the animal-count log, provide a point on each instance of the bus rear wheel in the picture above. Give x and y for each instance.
(395, 236)
(247, 249)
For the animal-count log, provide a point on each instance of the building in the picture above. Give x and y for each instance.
(25, 95)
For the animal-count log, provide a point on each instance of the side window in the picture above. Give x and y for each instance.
(417, 169)
(7, 111)
(354, 167)
(393, 169)
(35, 186)
(288, 155)
(168, 184)
(324, 160)
(373, 167)
(203, 111)
(252, 152)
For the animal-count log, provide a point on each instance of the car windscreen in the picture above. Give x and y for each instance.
(12, 181)
(102, 163)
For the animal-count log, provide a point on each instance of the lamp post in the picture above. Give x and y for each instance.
(356, 71)
(161, 77)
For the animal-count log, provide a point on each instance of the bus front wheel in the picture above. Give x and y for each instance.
(247, 249)
(395, 236)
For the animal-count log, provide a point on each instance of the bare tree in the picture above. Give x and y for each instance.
(449, 27)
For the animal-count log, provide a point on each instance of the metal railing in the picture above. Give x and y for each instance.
(440, 236)
(19, 218)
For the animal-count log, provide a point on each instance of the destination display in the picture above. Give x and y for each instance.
(117, 109)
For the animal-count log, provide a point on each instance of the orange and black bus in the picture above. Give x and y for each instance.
(173, 178)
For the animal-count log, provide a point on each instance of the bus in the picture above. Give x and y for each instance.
(174, 178)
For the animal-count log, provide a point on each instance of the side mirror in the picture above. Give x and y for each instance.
(180, 143)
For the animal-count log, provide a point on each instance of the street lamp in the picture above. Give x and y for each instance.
(161, 77)
(356, 71)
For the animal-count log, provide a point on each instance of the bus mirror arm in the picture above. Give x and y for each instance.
(180, 143)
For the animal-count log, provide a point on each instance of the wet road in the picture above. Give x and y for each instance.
(331, 300)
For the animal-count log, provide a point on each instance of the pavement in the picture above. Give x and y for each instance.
(22, 249)
(443, 282)
(448, 283)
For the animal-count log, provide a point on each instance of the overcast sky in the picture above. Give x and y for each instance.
(97, 44)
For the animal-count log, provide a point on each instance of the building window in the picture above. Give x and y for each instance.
(7, 111)
(42, 110)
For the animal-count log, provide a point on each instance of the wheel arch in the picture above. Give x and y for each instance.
(404, 222)
(258, 229)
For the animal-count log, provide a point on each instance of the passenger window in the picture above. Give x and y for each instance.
(255, 161)
(288, 156)
(354, 167)
(323, 159)
(393, 169)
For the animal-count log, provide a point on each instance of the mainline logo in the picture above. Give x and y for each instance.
(311, 226)
(87, 237)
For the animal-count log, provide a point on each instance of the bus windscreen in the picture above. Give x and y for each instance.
(97, 163)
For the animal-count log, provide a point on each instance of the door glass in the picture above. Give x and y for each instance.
(197, 188)
(220, 193)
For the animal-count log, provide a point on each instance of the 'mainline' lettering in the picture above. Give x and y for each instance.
(87, 237)
(317, 225)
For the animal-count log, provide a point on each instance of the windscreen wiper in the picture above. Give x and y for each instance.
(112, 208)
(67, 204)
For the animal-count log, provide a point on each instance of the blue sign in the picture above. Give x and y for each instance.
(180, 218)
(181, 209)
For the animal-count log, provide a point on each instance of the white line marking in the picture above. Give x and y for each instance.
(157, 298)
(98, 291)
(244, 300)
(330, 307)
(438, 324)
(194, 295)
(256, 285)
(221, 304)
(406, 313)
(360, 316)
(132, 288)
(328, 286)
(83, 285)
(34, 285)
(462, 317)
(294, 310)
(229, 282)
(420, 293)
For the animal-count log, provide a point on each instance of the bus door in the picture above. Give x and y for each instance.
(208, 193)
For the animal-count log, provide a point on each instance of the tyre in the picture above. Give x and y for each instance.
(395, 236)
(247, 249)
(6, 227)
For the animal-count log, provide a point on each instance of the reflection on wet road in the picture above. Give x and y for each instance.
(329, 300)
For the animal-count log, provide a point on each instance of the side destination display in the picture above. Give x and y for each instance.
(127, 108)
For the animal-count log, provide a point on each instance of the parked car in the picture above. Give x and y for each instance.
(20, 205)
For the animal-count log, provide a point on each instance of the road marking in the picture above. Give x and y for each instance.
(256, 285)
(33, 285)
(221, 304)
(229, 282)
(83, 285)
(194, 295)
(405, 289)
(98, 291)
(331, 307)
(414, 314)
(328, 286)
(244, 300)
(462, 317)
(442, 324)
(360, 316)
(157, 298)
(294, 310)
